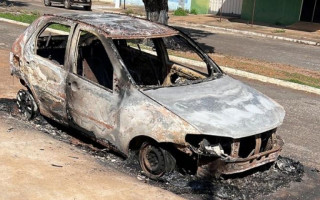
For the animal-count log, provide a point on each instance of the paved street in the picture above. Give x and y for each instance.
(276, 51)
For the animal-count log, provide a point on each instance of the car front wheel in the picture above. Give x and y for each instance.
(155, 161)
(47, 2)
(67, 4)
(27, 105)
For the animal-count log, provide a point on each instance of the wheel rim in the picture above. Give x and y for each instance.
(66, 4)
(25, 104)
(152, 161)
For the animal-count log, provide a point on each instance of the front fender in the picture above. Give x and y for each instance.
(141, 116)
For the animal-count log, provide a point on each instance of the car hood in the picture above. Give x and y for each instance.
(221, 107)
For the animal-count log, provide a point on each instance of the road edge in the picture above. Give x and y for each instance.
(250, 33)
(274, 81)
(228, 70)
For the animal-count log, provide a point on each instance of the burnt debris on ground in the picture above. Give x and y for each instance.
(248, 185)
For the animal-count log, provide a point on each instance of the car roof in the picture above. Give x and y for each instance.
(121, 26)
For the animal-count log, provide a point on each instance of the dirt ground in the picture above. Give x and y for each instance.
(8, 84)
(37, 166)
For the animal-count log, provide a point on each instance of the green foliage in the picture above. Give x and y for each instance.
(60, 27)
(180, 12)
(26, 18)
(303, 83)
(194, 11)
(279, 31)
(29, 18)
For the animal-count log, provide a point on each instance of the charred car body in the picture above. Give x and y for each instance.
(123, 81)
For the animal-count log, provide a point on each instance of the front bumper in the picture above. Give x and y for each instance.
(234, 164)
(81, 3)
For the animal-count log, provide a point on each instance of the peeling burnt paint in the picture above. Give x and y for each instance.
(122, 26)
(217, 106)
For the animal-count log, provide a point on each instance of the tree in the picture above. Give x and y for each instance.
(157, 10)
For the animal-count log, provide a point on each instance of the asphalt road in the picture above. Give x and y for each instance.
(263, 49)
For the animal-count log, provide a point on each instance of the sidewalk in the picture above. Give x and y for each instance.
(301, 32)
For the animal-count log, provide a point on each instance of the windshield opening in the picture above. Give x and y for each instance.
(163, 62)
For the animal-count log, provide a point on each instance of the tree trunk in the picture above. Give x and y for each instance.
(157, 10)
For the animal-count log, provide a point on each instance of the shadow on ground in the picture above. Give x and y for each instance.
(198, 34)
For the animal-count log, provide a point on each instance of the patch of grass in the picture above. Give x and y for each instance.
(279, 31)
(180, 12)
(302, 83)
(194, 11)
(60, 27)
(303, 79)
(29, 18)
(21, 17)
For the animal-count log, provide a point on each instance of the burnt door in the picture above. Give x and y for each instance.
(47, 68)
(92, 104)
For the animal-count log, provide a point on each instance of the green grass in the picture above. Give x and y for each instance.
(194, 11)
(29, 18)
(180, 12)
(22, 17)
(60, 27)
(302, 83)
(303, 80)
(279, 31)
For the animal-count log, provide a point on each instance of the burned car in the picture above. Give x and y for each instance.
(138, 86)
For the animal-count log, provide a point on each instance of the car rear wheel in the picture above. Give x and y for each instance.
(47, 2)
(155, 161)
(67, 4)
(26, 104)
(87, 8)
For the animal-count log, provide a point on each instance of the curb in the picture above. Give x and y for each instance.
(231, 71)
(26, 24)
(250, 33)
(253, 76)
(274, 81)
(230, 30)
(13, 22)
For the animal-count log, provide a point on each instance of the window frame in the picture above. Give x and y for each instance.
(74, 56)
(42, 28)
(211, 65)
